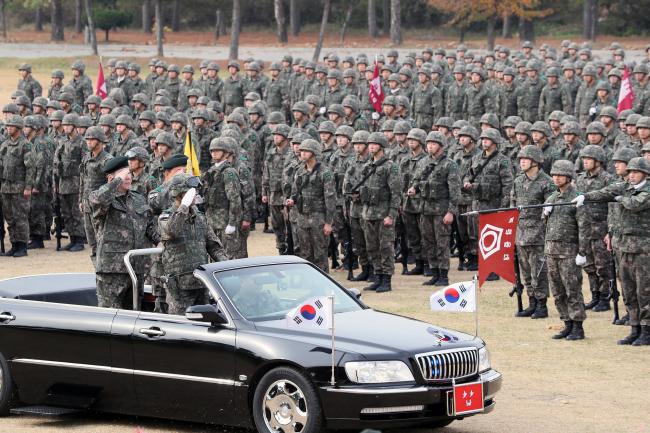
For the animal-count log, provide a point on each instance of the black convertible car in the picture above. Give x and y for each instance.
(236, 361)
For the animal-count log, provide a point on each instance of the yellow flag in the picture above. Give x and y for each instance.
(192, 161)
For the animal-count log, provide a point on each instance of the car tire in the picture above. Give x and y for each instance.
(7, 389)
(285, 397)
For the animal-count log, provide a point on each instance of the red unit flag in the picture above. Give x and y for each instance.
(101, 83)
(626, 95)
(375, 92)
(497, 245)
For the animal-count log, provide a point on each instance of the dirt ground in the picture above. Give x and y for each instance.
(549, 386)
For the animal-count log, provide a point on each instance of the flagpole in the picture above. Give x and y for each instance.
(529, 206)
(476, 304)
(332, 380)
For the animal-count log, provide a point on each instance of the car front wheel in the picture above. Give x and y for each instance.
(6, 387)
(285, 401)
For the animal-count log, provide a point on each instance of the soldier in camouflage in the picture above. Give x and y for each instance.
(272, 185)
(82, 85)
(28, 83)
(141, 180)
(426, 101)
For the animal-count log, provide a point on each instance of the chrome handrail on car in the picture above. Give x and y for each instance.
(134, 277)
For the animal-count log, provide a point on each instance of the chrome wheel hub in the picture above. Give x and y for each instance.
(285, 407)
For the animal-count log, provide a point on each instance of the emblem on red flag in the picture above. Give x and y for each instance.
(497, 244)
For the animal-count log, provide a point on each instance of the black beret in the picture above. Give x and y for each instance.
(175, 161)
(115, 164)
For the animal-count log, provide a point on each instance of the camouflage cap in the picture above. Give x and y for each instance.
(531, 152)
(402, 127)
(594, 152)
(96, 133)
(469, 131)
(360, 137)
(571, 128)
(638, 164)
(275, 117)
(346, 131)
(283, 130)
(445, 122)
(436, 137)
(327, 126)
(378, 138)
(563, 167)
(542, 127)
(511, 121)
(311, 145)
(625, 154)
(106, 120)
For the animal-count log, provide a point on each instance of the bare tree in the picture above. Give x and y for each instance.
(3, 18)
(294, 17)
(589, 19)
(327, 4)
(281, 20)
(147, 22)
(373, 31)
(385, 16)
(491, 34)
(235, 29)
(507, 26)
(91, 25)
(526, 29)
(346, 20)
(38, 19)
(219, 25)
(57, 20)
(396, 22)
(78, 9)
(159, 27)
(176, 19)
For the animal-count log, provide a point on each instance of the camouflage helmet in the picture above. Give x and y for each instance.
(31, 122)
(311, 145)
(187, 69)
(162, 116)
(40, 102)
(275, 117)
(388, 125)
(469, 131)
(458, 124)
(107, 120)
(70, 119)
(57, 73)
(137, 152)
(542, 127)
(531, 152)
(79, 65)
(436, 137)
(134, 67)
(283, 130)
(351, 102)
(523, 127)
(147, 115)
(393, 77)
(225, 144)
(590, 70)
(258, 108)
(335, 74)
(313, 100)
(631, 119)
(163, 101)
(445, 122)
(25, 67)
(638, 164)
(336, 109)
(107, 103)
(15, 120)
(568, 118)
(625, 154)
(65, 97)
(346, 131)
(609, 111)
(275, 66)
(417, 134)
(95, 132)
(10, 108)
(301, 107)
(124, 119)
(23, 100)
(512, 121)
(594, 152)
(84, 122)
(92, 99)
(194, 92)
(390, 100)
(236, 118)
(402, 127)
(490, 119)
(403, 100)
(378, 138)
(203, 100)
(603, 85)
(58, 116)
(252, 96)
(492, 135)
(327, 126)
(181, 183)
(166, 138)
(212, 66)
(643, 122)
(360, 136)
(552, 72)
(556, 115)
(596, 128)
(571, 128)
(563, 167)
(644, 149)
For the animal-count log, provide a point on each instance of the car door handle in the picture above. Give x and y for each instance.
(152, 332)
(7, 317)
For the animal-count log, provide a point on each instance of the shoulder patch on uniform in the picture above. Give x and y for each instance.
(394, 169)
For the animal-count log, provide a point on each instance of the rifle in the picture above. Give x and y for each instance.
(2, 230)
(517, 288)
(58, 219)
(614, 294)
(290, 247)
(373, 167)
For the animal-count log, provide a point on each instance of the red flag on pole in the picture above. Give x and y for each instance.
(101, 83)
(497, 245)
(375, 92)
(626, 95)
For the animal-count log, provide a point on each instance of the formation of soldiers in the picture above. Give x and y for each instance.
(302, 146)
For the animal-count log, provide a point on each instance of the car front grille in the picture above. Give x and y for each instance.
(446, 365)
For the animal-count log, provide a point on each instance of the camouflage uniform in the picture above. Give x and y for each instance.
(352, 177)
(83, 87)
(37, 171)
(528, 95)
(454, 103)
(144, 184)
(272, 181)
(67, 172)
(468, 224)
(123, 222)
(477, 102)
(427, 105)
(338, 165)
(91, 178)
(14, 156)
(31, 87)
(412, 206)
(233, 93)
(491, 187)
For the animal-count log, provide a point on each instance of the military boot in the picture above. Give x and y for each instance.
(472, 263)
(36, 243)
(443, 279)
(593, 288)
(78, 245)
(435, 274)
(603, 303)
(67, 247)
(462, 264)
(625, 320)
(385, 285)
(643, 340)
(634, 334)
(532, 305)
(378, 281)
(12, 250)
(568, 326)
(426, 270)
(541, 312)
(21, 249)
(418, 269)
(365, 273)
(372, 277)
(577, 333)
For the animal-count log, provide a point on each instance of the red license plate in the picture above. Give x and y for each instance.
(468, 398)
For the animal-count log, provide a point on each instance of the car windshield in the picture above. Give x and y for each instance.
(270, 292)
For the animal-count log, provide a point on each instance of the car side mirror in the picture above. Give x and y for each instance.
(355, 292)
(206, 313)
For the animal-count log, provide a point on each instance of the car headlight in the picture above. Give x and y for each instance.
(483, 359)
(378, 372)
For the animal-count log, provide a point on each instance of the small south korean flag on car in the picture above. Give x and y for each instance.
(312, 314)
(457, 297)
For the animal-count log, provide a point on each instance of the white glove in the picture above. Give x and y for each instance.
(548, 210)
(229, 230)
(375, 116)
(188, 198)
(593, 111)
(618, 198)
(198, 199)
(579, 201)
(322, 110)
(581, 260)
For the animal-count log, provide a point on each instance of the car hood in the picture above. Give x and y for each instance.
(375, 335)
